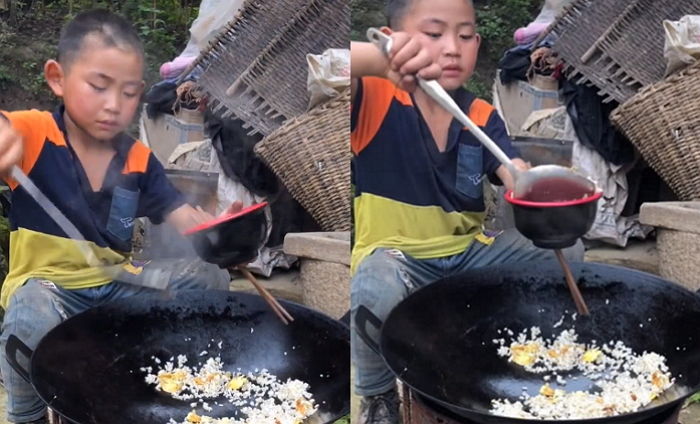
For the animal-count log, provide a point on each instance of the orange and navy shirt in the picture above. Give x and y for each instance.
(135, 185)
(408, 194)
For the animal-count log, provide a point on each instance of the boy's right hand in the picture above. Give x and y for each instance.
(11, 146)
(408, 59)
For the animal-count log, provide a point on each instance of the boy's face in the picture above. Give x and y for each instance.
(447, 28)
(101, 88)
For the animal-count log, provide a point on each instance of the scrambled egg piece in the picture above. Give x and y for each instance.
(303, 406)
(524, 355)
(237, 382)
(546, 391)
(659, 380)
(591, 355)
(207, 379)
(192, 417)
(172, 382)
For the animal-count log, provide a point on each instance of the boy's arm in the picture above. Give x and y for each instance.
(504, 175)
(365, 60)
(161, 201)
(11, 146)
(407, 59)
(496, 129)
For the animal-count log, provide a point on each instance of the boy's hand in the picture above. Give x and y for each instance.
(408, 59)
(11, 146)
(507, 179)
(186, 217)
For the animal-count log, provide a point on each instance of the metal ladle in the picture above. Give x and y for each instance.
(524, 181)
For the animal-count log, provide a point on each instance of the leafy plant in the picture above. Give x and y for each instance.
(162, 24)
(695, 398)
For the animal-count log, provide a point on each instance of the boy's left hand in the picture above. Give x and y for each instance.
(186, 217)
(504, 175)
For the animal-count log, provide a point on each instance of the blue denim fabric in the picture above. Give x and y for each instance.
(388, 276)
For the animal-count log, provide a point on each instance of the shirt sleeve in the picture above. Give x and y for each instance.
(496, 129)
(159, 197)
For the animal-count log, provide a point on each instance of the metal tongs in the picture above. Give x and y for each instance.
(524, 181)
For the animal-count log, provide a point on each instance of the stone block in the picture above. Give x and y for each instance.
(324, 246)
(678, 239)
(325, 269)
(679, 216)
(326, 286)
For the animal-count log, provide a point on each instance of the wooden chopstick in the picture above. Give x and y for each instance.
(573, 287)
(282, 313)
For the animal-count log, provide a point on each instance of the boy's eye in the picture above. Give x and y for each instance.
(97, 88)
(433, 34)
(466, 37)
(131, 95)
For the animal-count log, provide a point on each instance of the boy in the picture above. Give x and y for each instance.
(100, 178)
(418, 176)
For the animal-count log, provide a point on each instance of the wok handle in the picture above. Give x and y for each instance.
(14, 344)
(362, 317)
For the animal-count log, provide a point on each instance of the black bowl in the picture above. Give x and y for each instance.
(554, 225)
(231, 239)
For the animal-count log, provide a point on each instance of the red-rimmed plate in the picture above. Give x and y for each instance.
(225, 218)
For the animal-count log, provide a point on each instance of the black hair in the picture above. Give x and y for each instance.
(395, 10)
(113, 30)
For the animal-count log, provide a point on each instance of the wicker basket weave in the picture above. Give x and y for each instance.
(618, 46)
(256, 68)
(311, 155)
(663, 121)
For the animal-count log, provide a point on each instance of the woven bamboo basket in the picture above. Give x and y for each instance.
(618, 46)
(663, 121)
(311, 155)
(256, 68)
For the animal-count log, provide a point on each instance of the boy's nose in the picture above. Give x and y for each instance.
(113, 104)
(450, 47)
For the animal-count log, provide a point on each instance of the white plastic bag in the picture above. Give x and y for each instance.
(682, 46)
(329, 75)
(609, 225)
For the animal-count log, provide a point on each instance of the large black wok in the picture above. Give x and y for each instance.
(87, 368)
(439, 339)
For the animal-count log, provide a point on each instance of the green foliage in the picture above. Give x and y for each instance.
(344, 420)
(162, 24)
(365, 14)
(695, 398)
(499, 19)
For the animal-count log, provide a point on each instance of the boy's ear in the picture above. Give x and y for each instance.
(478, 40)
(386, 30)
(54, 74)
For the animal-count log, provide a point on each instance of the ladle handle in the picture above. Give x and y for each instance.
(437, 93)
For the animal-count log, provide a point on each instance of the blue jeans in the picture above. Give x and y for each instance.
(40, 305)
(388, 276)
